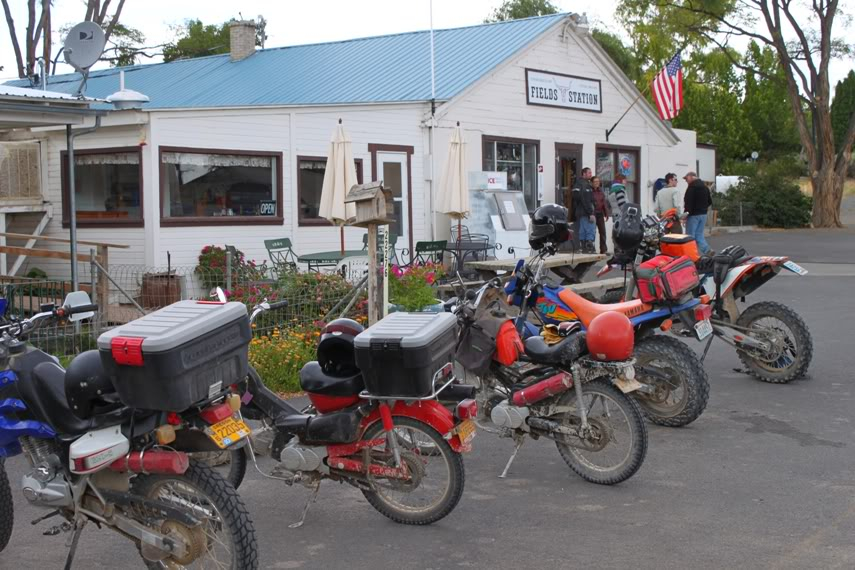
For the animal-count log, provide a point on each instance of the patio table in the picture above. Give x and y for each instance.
(571, 267)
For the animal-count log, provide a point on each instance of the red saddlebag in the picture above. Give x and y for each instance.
(665, 278)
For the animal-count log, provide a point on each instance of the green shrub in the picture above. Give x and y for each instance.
(770, 199)
(212, 267)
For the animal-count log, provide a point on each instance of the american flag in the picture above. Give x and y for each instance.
(668, 89)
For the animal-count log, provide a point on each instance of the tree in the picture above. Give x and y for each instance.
(804, 43)
(37, 33)
(766, 106)
(516, 9)
(843, 107)
(196, 39)
(620, 54)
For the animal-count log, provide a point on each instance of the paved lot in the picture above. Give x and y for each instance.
(764, 479)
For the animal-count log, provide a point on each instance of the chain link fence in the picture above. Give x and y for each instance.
(126, 292)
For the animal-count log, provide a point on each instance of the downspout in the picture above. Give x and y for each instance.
(72, 206)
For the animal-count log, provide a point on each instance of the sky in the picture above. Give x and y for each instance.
(294, 22)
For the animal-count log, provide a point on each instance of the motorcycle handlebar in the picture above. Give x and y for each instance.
(278, 305)
(91, 307)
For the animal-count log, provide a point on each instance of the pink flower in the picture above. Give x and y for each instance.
(396, 271)
(430, 277)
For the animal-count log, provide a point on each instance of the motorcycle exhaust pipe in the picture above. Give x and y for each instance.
(155, 462)
(552, 386)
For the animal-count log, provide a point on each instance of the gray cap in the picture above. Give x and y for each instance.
(690, 173)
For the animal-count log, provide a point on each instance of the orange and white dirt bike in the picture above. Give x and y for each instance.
(772, 341)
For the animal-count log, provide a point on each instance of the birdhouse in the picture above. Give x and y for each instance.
(373, 204)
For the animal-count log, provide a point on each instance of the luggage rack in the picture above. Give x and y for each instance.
(445, 371)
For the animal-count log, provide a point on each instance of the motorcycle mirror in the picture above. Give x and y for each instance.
(471, 294)
(218, 294)
(78, 299)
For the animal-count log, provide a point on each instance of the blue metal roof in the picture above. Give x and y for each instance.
(392, 68)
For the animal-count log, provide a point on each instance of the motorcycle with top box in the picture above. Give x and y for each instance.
(374, 421)
(112, 457)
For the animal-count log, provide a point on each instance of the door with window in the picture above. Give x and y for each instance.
(568, 166)
(392, 169)
(612, 161)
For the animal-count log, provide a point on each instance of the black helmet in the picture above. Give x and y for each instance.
(628, 230)
(548, 226)
(86, 384)
(335, 351)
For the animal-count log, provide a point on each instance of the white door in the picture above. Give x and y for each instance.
(392, 170)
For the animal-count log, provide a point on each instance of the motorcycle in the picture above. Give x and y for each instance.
(772, 340)
(95, 459)
(404, 452)
(535, 389)
(674, 386)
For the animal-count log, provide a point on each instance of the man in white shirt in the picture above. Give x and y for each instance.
(669, 197)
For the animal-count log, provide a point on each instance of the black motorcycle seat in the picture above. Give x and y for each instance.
(567, 350)
(537, 349)
(44, 394)
(313, 379)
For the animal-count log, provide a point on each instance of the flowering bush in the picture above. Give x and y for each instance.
(279, 356)
(212, 267)
(412, 287)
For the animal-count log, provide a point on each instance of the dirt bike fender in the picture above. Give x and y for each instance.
(430, 412)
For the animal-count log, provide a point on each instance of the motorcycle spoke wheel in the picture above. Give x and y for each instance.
(791, 344)
(679, 385)
(226, 537)
(229, 464)
(435, 483)
(615, 444)
(7, 509)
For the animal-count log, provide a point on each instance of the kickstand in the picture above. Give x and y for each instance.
(707, 348)
(311, 500)
(75, 538)
(517, 446)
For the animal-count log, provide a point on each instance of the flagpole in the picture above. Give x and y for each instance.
(432, 125)
(640, 95)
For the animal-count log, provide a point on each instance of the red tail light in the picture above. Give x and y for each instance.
(466, 409)
(703, 312)
(173, 419)
(216, 413)
(127, 350)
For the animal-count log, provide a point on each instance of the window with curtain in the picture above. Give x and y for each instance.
(213, 186)
(107, 187)
(612, 161)
(310, 182)
(519, 159)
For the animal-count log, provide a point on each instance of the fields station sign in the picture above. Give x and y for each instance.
(564, 91)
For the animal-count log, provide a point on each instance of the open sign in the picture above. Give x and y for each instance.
(268, 208)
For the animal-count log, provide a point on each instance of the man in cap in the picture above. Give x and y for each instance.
(696, 202)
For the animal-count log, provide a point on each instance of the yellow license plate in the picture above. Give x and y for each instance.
(465, 430)
(228, 432)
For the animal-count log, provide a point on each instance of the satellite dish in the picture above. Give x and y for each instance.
(84, 45)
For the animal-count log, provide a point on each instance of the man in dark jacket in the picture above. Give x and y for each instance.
(583, 209)
(696, 203)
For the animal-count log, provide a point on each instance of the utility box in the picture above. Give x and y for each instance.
(374, 204)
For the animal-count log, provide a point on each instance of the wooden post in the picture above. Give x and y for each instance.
(103, 284)
(373, 272)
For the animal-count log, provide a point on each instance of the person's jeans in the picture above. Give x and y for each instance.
(587, 229)
(695, 228)
(601, 229)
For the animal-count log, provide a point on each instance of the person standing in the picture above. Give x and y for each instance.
(583, 208)
(670, 198)
(617, 194)
(602, 211)
(697, 202)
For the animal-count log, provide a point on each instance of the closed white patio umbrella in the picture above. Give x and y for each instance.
(453, 194)
(339, 178)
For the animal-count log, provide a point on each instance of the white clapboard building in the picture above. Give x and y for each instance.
(231, 148)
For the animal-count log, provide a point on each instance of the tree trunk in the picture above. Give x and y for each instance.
(827, 197)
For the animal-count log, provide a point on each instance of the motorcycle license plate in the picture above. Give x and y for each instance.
(795, 268)
(703, 329)
(228, 432)
(465, 430)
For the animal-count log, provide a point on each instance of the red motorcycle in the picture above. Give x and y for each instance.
(374, 421)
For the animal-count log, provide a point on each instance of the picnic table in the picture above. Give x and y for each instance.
(315, 261)
(571, 267)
